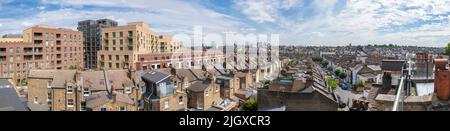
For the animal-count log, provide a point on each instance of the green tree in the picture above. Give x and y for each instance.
(332, 83)
(329, 68)
(250, 105)
(360, 84)
(342, 75)
(447, 49)
(337, 72)
(317, 58)
(324, 63)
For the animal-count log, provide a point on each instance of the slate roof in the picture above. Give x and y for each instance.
(155, 76)
(9, 101)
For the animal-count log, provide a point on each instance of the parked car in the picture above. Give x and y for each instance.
(344, 86)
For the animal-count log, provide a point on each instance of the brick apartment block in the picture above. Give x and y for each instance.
(41, 47)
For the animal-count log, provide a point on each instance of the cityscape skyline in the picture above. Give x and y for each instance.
(301, 23)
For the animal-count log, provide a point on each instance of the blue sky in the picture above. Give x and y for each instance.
(299, 22)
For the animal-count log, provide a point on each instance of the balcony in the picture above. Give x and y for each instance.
(28, 57)
(2, 58)
(38, 42)
(37, 36)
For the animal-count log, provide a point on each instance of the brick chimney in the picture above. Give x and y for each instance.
(113, 94)
(442, 79)
(387, 79)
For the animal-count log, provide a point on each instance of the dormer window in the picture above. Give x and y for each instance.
(127, 90)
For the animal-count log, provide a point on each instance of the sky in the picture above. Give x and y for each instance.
(299, 22)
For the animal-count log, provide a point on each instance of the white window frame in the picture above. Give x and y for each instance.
(35, 100)
(68, 103)
(84, 92)
(69, 90)
(128, 90)
(180, 101)
(49, 84)
(166, 104)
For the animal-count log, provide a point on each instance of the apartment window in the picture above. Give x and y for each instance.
(69, 90)
(126, 57)
(117, 65)
(114, 48)
(110, 65)
(166, 104)
(122, 108)
(127, 90)
(121, 41)
(180, 100)
(85, 92)
(206, 92)
(106, 35)
(117, 57)
(114, 34)
(121, 34)
(11, 50)
(70, 103)
(103, 109)
(114, 42)
(102, 57)
(217, 88)
(35, 100)
(130, 33)
(109, 57)
(121, 48)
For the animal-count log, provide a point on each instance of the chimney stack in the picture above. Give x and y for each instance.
(442, 79)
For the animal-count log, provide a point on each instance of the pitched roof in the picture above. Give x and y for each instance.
(103, 97)
(9, 101)
(198, 86)
(62, 76)
(155, 76)
(95, 80)
(374, 67)
(392, 65)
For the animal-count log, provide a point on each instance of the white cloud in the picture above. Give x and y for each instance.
(26, 24)
(264, 10)
(376, 21)
(1, 24)
(168, 16)
(256, 10)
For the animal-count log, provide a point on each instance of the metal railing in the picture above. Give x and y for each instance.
(398, 103)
